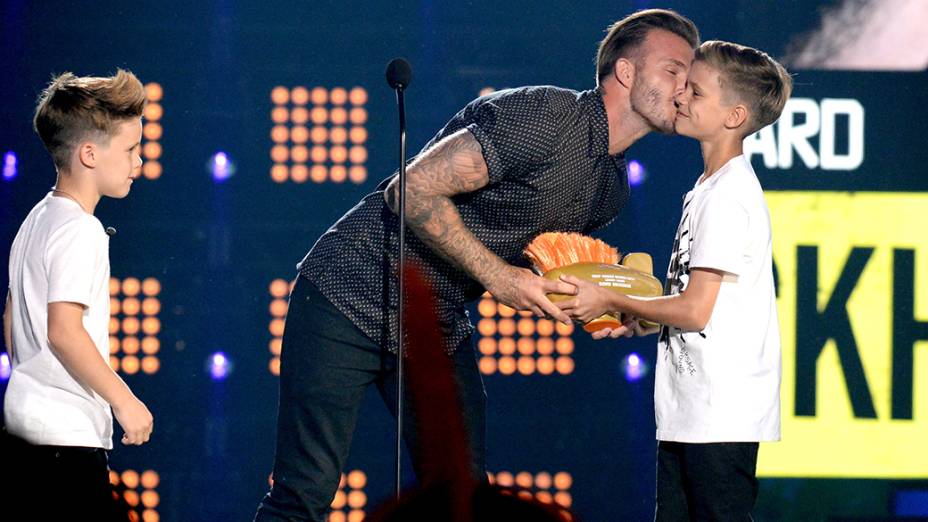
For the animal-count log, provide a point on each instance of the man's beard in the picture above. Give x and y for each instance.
(646, 101)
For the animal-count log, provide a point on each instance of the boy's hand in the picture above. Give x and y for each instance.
(523, 290)
(630, 328)
(591, 300)
(136, 421)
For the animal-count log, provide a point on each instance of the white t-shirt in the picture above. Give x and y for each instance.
(723, 384)
(60, 254)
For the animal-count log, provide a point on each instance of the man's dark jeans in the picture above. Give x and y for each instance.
(327, 363)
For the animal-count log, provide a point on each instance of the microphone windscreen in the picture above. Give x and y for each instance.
(399, 73)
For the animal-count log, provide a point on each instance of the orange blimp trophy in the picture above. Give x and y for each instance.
(556, 253)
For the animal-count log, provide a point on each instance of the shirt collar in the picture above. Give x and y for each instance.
(598, 122)
(713, 179)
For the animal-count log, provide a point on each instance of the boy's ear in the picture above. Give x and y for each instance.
(737, 116)
(87, 154)
(624, 72)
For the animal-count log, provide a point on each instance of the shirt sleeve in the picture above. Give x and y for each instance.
(720, 234)
(71, 258)
(517, 132)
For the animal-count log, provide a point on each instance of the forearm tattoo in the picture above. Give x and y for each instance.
(453, 166)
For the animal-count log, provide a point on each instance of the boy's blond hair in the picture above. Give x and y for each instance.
(751, 76)
(72, 109)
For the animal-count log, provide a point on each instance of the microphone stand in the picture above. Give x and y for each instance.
(402, 290)
(398, 76)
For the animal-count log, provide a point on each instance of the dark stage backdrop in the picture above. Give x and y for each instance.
(268, 120)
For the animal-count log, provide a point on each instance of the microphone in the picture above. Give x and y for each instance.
(399, 73)
(110, 231)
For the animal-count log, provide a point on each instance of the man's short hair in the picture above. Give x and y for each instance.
(624, 37)
(72, 109)
(751, 76)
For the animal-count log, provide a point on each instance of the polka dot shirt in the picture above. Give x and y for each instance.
(546, 150)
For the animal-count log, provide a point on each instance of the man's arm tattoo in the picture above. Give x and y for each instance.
(454, 166)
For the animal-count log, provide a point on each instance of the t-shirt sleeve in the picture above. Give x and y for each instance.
(516, 131)
(720, 234)
(71, 258)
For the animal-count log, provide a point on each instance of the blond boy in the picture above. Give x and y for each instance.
(57, 408)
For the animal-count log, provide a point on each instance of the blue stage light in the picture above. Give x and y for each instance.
(219, 366)
(5, 368)
(9, 165)
(636, 173)
(634, 367)
(221, 167)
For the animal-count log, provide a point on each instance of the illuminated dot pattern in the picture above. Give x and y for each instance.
(139, 492)
(279, 290)
(152, 132)
(512, 342)
(543, 486)
(319, 134)
(350, 499)
(134, 325)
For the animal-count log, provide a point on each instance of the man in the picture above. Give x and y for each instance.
(505, 168)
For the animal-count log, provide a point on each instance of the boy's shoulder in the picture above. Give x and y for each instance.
(736, 179)
(62, 217)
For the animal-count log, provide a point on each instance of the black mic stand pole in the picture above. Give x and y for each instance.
(402, 297)
(398, 76)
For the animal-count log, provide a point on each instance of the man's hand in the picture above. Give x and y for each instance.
(136, 421)
(523, 290)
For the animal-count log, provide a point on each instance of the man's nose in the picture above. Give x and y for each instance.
(682, 95)
(681, 85)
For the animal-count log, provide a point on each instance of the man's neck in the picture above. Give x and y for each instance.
(715, 154)
(77, 188)
(625, 125)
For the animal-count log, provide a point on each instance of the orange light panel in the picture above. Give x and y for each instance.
(514, 342)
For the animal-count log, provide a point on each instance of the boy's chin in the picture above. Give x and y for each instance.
(682, 130)
(119, 194)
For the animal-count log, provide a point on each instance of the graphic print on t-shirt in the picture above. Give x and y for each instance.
(678, 277)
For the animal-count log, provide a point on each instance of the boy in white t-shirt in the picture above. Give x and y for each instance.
(717, 375)
(57, 408)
